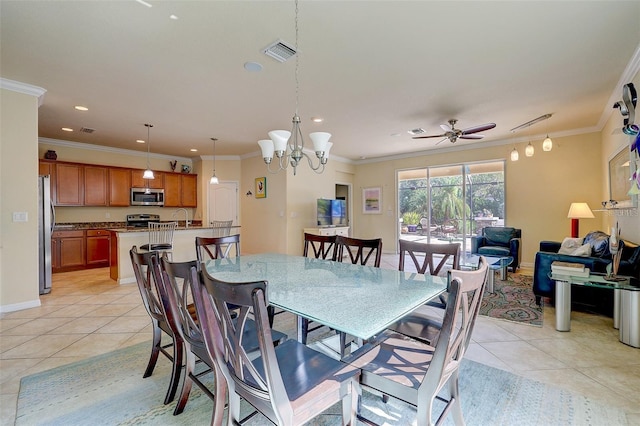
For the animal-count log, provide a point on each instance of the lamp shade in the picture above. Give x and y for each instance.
(280, 139)
(214, 180)
(528, 151)
(326, 150)
(148, 174)
(514, 155)
(266, 145)
(547, 144)
(320, 140)
(580, 211)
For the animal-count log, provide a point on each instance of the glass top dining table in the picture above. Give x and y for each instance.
(361, 301)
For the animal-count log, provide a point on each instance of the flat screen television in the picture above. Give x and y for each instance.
(331, 212)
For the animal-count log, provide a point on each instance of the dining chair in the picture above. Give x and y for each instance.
(172, 280)
(160, 237)
(217, 247)
(289, 384)
(416, 372)
(141, 262)
(221, 228)
(318, 247)
(359, 251)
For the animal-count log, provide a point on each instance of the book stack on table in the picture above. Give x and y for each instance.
(569, 268)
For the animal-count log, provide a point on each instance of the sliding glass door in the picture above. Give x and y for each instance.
(450, 203)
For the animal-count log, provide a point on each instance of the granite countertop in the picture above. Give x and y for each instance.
(122, 226)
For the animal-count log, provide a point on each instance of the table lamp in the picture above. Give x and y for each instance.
(578, 211)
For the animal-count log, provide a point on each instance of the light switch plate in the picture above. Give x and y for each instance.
(20, 217)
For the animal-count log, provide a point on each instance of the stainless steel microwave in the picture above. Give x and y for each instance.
(147, 197)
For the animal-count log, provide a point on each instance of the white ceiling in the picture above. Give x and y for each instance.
(372, 69)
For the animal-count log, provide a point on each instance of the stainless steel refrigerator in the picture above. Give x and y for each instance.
(46, 222)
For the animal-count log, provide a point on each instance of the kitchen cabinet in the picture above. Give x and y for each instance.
(48, 168)
(180, 190)
(95, 185)
(338, 230)
(97, 243)
(69, 184)
(137, 181)
(119, 187)
(67, 250)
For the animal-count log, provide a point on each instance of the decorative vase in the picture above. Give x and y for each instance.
(51, 155)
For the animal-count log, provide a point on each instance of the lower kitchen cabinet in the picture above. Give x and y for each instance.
(79, 249)
(97, 247)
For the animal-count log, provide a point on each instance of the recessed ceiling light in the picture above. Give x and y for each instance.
(67, 129)
(317, 119)
(140, 141)
(144, 3)
(193, 150)
(174, 17)
(81, 108)
(252, 66)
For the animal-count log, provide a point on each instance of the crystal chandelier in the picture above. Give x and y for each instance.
(289, 146)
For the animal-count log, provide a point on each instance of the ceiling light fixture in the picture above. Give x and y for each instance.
(67, 129)
(214, 179)
(529, 150)
(289, 146)
(148, 174)
(547, 145)
(81, 108)
(514, 155)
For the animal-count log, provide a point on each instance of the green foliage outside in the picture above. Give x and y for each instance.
(411, 218)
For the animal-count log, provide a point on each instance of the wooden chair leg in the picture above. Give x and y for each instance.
(178, 347)
(220, 398)
(187, 382)
(155, 350)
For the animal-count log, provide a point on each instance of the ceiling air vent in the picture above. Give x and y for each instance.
(87, 130)
(417, 131)
(279, 51)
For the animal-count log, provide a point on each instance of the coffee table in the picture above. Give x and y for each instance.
(626, 307)
(496, 263)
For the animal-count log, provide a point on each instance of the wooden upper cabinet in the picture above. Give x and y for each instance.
(119, 187)
(69, 184)
(49, 168)
(189, 190)
(95, 185)
(137, 181)
(180, 190)
(172, 188)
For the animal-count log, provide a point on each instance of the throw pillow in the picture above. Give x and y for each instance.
(583, 251)
(569, 245)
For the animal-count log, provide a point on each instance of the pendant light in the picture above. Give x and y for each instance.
(214, 178)
(514, 155)
(528, 151)
(547, 144)
(148, 174)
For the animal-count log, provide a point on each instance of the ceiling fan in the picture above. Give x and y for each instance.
(453, 134)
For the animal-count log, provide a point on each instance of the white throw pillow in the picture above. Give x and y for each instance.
(569, 245)
(583, 251)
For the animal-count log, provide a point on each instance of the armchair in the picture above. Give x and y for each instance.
(498, 241)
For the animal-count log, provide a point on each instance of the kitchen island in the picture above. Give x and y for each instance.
(123, 239)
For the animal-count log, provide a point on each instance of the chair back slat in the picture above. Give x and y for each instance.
(321, 246)
(217, 247)
(161, 233)
(359, 251)
(141, 262)
(221, 228)
(422, 255)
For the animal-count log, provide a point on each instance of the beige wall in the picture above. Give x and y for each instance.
(539, 189)
(18, 189)
(228, 169)
(613, 140)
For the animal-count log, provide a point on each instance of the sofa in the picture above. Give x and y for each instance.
(597, 259)
(498, 241)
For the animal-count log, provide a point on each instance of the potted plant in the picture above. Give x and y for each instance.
(411, 220)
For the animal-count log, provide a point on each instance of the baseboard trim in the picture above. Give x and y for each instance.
(19, 306)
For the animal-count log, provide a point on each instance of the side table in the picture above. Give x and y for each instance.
(626, 309)
(496, 263)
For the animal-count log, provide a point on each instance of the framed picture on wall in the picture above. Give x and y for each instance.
(619, 178)
(261, 187)
(372, 200)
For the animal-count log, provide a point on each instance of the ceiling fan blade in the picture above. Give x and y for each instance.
(445, 139)
(431, 136)
(471, 137)
(445, 127)
(480, 128)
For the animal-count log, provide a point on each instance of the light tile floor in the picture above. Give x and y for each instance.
(88, 314)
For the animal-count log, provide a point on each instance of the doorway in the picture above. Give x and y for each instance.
(223, 202)
(343, 192)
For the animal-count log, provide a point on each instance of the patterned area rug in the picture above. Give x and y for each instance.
(109, 390)
(513, 300)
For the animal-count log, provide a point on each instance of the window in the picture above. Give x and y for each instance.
(451, 203)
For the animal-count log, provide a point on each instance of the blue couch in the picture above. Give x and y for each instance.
(498, 241)
(600, 258)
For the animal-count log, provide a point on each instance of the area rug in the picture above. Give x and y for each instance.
(109, 390)
(513, 300)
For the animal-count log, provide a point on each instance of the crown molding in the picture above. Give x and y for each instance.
(90, 147)
(27, 89)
